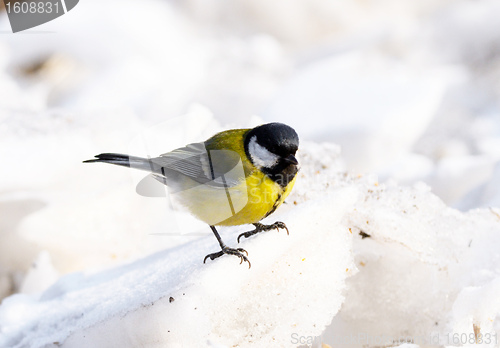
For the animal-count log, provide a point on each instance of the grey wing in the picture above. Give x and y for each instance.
(215, 168)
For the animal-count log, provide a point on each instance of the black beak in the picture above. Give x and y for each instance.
(291, 159)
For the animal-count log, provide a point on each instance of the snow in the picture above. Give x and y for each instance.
(478, 305)
(486, 194)
(419, 253)
(394, 220)
(297, 283)
(400, 103)
(221, 301)
(41, 275)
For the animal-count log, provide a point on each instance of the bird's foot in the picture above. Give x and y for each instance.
(261, 228)
(230, 251)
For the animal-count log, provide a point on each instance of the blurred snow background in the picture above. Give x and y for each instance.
(409, 90)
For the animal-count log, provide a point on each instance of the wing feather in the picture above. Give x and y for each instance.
(216, 168)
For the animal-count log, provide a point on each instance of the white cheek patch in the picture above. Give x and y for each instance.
(261, 156)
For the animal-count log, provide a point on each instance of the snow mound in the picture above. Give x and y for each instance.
(295, 285)
(358, 251)
(427, 269)
(374, 109)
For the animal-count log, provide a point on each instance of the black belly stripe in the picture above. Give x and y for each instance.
(275, 206)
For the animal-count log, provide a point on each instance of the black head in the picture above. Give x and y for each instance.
(271, 148)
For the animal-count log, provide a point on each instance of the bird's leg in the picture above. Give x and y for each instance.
(261, 228)
(226, 250)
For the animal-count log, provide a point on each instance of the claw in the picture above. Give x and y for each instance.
(241, 235)
(242, 250)
(230, 251)
(261, 228)
(279, 224)
(213, 256)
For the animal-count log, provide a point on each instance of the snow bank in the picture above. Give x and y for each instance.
(416, 267)
(295, 285)
(426, 272)
(146, 57)
(374, 109)
(486, 194)
(377, 259)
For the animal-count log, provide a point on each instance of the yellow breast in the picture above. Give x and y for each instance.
(246, 203)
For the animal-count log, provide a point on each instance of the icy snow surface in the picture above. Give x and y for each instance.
(419, 255)
(295, 284)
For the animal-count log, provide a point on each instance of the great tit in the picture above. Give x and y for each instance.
(236, 177)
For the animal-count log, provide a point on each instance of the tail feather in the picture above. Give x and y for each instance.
(125, 161)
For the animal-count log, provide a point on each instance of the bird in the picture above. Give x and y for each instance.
(236, 177)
